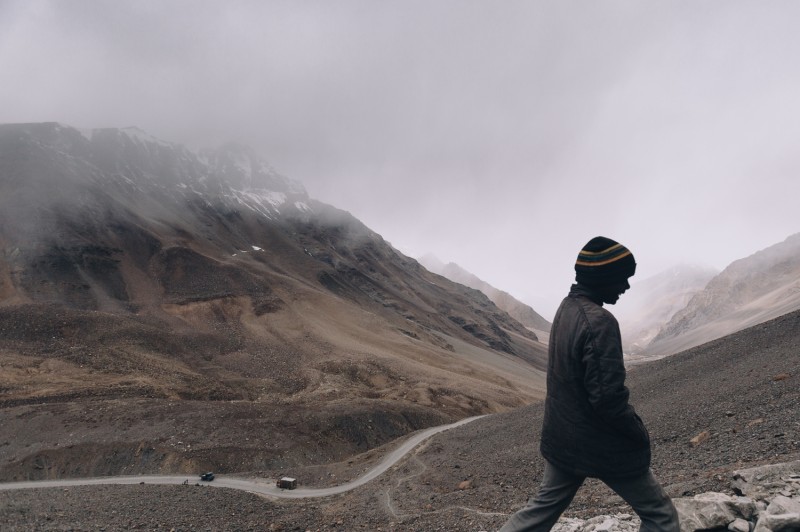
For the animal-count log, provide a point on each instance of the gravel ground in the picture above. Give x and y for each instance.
(743, 391)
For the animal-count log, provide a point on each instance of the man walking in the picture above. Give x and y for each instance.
(590, 429)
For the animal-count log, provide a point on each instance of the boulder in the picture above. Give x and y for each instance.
(739, 525)
(713, 510)
(757, 482)
(778, 523)
(783, 505)
(782, 514)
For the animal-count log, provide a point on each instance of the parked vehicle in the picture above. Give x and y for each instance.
(208, 477)
(287, 483)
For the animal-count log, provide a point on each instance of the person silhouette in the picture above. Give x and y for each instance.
(589, 427)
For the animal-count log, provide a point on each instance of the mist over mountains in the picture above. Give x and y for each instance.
(651, 302)
(139, 276)
(749, 291)
(689, 305)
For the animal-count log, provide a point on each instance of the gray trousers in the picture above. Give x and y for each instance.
(558, 488)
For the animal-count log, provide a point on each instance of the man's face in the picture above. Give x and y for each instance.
(610, 293)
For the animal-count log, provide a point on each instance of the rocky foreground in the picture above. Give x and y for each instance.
(768, 500)
(730, 405)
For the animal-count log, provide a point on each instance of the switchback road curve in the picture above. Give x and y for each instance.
(262, 487)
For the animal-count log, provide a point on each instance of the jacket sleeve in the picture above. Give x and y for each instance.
(604, 380)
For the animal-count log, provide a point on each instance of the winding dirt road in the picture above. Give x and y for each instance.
(262, 487)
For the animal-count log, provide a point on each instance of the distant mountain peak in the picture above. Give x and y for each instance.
(517, 309)
(242, 168)
(432, 262)
(652, 301)
(750, 290)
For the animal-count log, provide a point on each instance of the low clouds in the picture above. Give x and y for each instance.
(501, 136)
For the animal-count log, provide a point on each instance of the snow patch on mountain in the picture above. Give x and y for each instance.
(136, 134)
(130, 163)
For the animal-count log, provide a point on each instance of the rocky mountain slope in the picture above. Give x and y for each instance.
(722, 407)
(749, 291)
(651, 302)
(165, 310)
(515, 308)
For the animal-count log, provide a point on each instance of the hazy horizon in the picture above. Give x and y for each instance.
(500, 137)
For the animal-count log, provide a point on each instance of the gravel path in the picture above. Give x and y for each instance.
(257, 486)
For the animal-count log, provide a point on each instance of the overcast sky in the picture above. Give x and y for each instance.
(498, 135)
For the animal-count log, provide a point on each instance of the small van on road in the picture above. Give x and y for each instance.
(287, 483)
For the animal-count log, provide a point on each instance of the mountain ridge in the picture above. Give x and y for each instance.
(519, 310)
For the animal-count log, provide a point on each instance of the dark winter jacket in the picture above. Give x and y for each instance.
(589, 427)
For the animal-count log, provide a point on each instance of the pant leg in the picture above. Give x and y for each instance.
(557, 490)
(648, 500)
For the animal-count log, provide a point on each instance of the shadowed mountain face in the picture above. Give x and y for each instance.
(749, 291)
(136, 275)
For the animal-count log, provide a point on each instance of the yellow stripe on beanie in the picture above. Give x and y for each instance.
(604, 262)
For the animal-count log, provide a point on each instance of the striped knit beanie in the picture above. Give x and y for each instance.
(602, 262)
